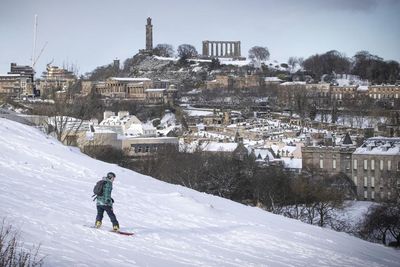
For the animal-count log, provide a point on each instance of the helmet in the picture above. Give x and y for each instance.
(110, 175)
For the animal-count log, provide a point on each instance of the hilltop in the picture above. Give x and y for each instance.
(46, 189)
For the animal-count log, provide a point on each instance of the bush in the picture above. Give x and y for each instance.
(12, 253)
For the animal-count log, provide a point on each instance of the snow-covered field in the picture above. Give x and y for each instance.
(46, 193)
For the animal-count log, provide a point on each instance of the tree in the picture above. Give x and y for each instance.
(381, 223)
(215, 64)
(271, 187)
(103, 72)
(373, 68)
(12, 253)
(315, 199)
(186, 51)
(258, 54)
(327, 63)
(292, 62)
(164, 50)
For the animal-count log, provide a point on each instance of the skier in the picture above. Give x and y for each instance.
(105, 202)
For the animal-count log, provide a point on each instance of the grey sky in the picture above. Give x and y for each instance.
(90, 33)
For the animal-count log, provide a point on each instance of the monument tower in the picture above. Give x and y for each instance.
(149, 35)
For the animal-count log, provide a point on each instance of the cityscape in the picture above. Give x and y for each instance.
(224, 129)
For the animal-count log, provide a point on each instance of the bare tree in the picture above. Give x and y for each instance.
(11, 252)
(258, 54)
(292, 62)
(186, 51)
(164, 50)
(382, 223)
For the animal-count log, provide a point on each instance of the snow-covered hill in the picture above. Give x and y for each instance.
(46, 191)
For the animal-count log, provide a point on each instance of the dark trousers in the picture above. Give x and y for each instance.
(110, 213)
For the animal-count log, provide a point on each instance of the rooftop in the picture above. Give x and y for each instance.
(380, 146)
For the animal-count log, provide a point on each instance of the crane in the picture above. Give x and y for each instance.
(34, 59)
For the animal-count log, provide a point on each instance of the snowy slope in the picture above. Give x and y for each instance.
(45, 192)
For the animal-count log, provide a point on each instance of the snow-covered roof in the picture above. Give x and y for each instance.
(193, 112)
(292, 163)
(166, 58)
(293, 83)
(126, 79)
(219, 147)
(10, 75)
(263, 153)
(380, 146)
(362, 88)
(272, 79)
(155, 90)
(289, 149)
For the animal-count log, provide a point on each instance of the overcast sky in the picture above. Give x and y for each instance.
(91, 33)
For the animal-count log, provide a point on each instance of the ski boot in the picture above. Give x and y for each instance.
(98, 224)
(116, 228)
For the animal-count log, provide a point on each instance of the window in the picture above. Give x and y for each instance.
(334, 164)
(382, 194)
(355, 164)
(139, 149)
(321, 163)
(147, 149)
(365, 164)
(381, 165)
(398, 166)
(373, 195)
(389, 165)
(355, 180)
(372, 164)
(365, 194)
(372, 181)
(365, 181)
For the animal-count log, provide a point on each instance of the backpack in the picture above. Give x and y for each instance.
(98, 189)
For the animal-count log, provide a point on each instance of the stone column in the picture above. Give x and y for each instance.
(239, 49)
(230, 49)
(222, 50)
(212, 48)
(206, 49)
(226, 50)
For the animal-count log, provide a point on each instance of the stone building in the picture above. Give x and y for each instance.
(127, 133)
(222, 49)
(341, 93)
(136, 89)
(225, 81)
(376, 169)
(13, 85)
(18, 82)
(330, 158)
(55, 78)
(384, 92)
